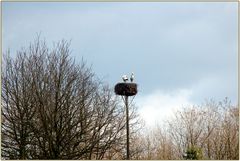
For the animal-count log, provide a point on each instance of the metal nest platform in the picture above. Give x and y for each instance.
(126, 89)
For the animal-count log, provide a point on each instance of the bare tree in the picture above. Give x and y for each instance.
(155, 144)
(211, 128)
(209, 131)
(54, 108)
(17, 109)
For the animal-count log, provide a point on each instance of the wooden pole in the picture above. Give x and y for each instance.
(127, 122)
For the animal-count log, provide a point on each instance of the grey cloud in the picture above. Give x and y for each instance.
(167, 45)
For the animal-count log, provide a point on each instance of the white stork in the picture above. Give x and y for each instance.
(132, 77)
(125, 78)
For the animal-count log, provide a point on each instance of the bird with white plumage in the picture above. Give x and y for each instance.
(125, 78)
(132, 77)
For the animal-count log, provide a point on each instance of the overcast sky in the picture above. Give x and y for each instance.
(181, 53)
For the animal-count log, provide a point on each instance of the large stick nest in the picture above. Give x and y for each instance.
(126, 89)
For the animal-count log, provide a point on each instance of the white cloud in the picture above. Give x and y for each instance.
(160, 105)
